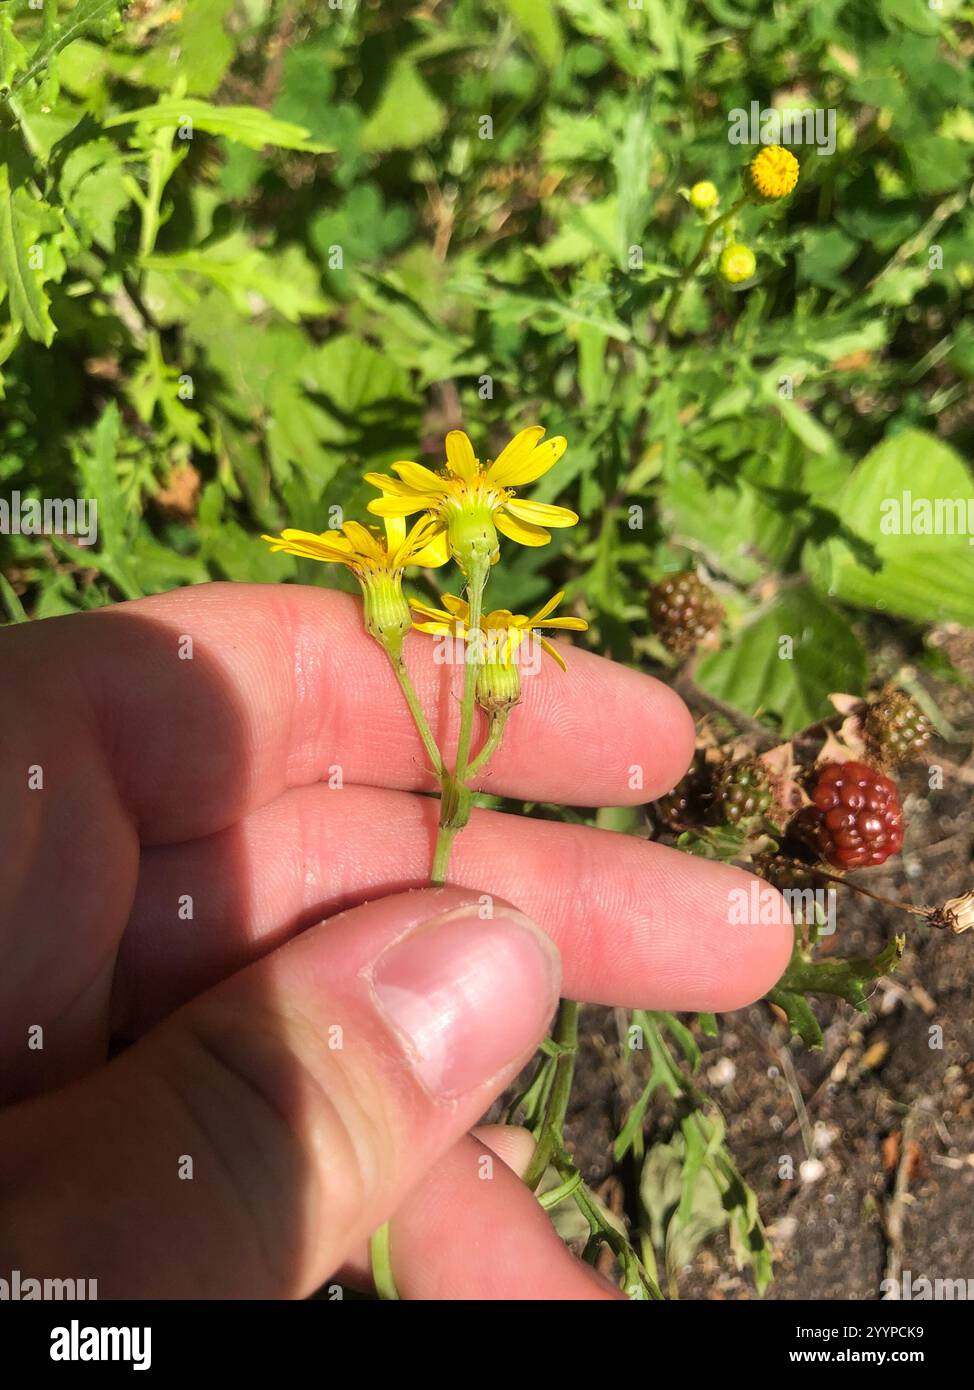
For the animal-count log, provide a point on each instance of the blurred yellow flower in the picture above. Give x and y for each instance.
(771, 174)
(704, 196)
(470, 502)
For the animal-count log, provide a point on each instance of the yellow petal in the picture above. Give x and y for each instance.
(435, 552)
(457, 606)
(396, 532)
(460, 456)
(520, 531)
(414, 475)
(566, 624)
(428, 611)
(362, 540)
(549, 607)
(540, 513)
(330, 546)
(391, 486)
(435, 629)
(552, 651)
(531, 467)
(397, 506)
(514, 455)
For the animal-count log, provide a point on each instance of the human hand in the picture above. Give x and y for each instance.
(183, 825)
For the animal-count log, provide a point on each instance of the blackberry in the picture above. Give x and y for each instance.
(743, 791)
(684, 611)
(686, 804)
(895, 728)
(782, 871)
(855, 817)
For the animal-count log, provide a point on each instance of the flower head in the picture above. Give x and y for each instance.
(704, 196)
(737, 263)
(470, 501)
(377, 560)
(771, 174)
(501, 635)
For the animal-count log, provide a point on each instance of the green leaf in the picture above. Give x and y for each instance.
(87, 17)
(18, 226)
(13, 55)
(248, 125)
(786, 661)
(538, 22)
(408, 114)
(893, 493)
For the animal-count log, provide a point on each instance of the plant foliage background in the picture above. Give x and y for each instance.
(214, 335)
(251, 248)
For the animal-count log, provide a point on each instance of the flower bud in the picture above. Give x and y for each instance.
(737, 263)
(704, 196)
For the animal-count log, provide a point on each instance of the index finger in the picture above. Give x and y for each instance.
(211, 701)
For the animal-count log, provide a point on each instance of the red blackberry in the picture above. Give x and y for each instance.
(684, 611)
(896, 729)
(855, 817)
(744, 791)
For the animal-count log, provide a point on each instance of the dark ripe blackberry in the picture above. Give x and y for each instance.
(781, 871)
(743, 791)
(684, 611)
(855, 817)
(896, 729)
(685, 806)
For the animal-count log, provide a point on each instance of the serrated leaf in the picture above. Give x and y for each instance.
(248, 125)
(88, 16)
(28, 302)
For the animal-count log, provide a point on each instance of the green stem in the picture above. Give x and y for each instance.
(549, 1130)
(416, 710)
(385, 1284)
(691, 270)
(491, 743)
(475, 598)
(441, 855)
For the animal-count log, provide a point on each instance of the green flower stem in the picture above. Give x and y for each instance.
(441, 855)
(548, 1132)
(476, 584)
(691, 270)
(491, 743)
(385, 1284)
(416, 710)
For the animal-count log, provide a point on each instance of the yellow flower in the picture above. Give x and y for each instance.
(736, 263)
(501, 635)
(704, 196)
(377, 561)
(771, 174)
(470, 501)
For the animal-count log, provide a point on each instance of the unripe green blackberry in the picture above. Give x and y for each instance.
(684, 611)
(743, 791)
(895, 728)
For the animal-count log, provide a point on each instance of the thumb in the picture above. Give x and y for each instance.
(245, 1146)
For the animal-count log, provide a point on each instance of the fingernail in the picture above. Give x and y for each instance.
(468, 997)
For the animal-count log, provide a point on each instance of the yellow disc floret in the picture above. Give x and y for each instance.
(771, 174)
